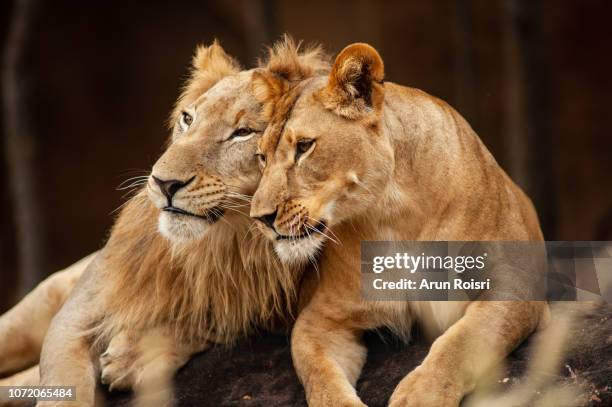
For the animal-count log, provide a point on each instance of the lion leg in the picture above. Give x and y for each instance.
(484, 336)
(69, 364)
(66, 357)
(23, 328)
(28, 377)
(66, 361)
(154, 357)
(328, 357)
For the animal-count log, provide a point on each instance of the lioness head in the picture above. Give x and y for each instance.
(323, 155)
(209, 168)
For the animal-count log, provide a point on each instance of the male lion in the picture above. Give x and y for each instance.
(348, 157)
(207, 278)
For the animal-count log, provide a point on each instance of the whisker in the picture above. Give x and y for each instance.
(247, 233)
(132, 182)
(132, 186)
(314, 230)
(119, 207)
(129, 194)
(331, 232)
(134, 171)
(234, 210)
(335, 238)
(326, 228)
(245, 198)
(257, 234)
(312, 259)
(136, 177)
(238, 194)
(125, 185)
(236, 205)
(221, 217)
(232, 185)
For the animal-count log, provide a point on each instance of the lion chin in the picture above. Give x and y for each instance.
(181, 228)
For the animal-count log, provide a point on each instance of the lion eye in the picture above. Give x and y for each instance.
(186, 120)
(242, 132)
(303, 146)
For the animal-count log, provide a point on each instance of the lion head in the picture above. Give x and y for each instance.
(323, 157)
(210, 167)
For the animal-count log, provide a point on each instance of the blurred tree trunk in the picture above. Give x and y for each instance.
(517, 126)
(527, 132)
(261, 26)
(20, 147)
(463, 59)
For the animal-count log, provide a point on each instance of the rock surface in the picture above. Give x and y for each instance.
(258, 371)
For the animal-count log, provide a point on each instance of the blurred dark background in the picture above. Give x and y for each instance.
(87, 85)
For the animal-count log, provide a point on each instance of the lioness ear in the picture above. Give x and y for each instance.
(355, 84)
(209, 65)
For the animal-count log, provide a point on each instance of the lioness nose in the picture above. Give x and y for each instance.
(170, 187)
(268, 219)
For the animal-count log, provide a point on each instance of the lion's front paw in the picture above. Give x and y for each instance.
(352, 403)
(348, 402)
(323, 397)
(150, 360)
(119, 364)
(422, 388)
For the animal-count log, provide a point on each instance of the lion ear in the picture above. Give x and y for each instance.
(268, 88)
(213, 62)
(355, 84)
(286, 64)
(208, 66)
(291, 61)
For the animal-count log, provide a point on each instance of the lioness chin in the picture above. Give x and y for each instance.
(347, 158)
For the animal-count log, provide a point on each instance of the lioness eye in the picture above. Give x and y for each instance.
(302, 147)
(186, 120)
(242, 132)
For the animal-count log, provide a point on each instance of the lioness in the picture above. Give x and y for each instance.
(348, 157)
(182, 264)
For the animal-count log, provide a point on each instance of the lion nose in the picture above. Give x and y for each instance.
(170, 187)
(268, 219)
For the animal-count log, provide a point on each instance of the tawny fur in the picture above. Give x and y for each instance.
(23, 327)
(209, 64)
(196, 283)
(222, 286)
(350, 159)
(218, 288)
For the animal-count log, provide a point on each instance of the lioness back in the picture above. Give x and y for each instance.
(470, 195)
